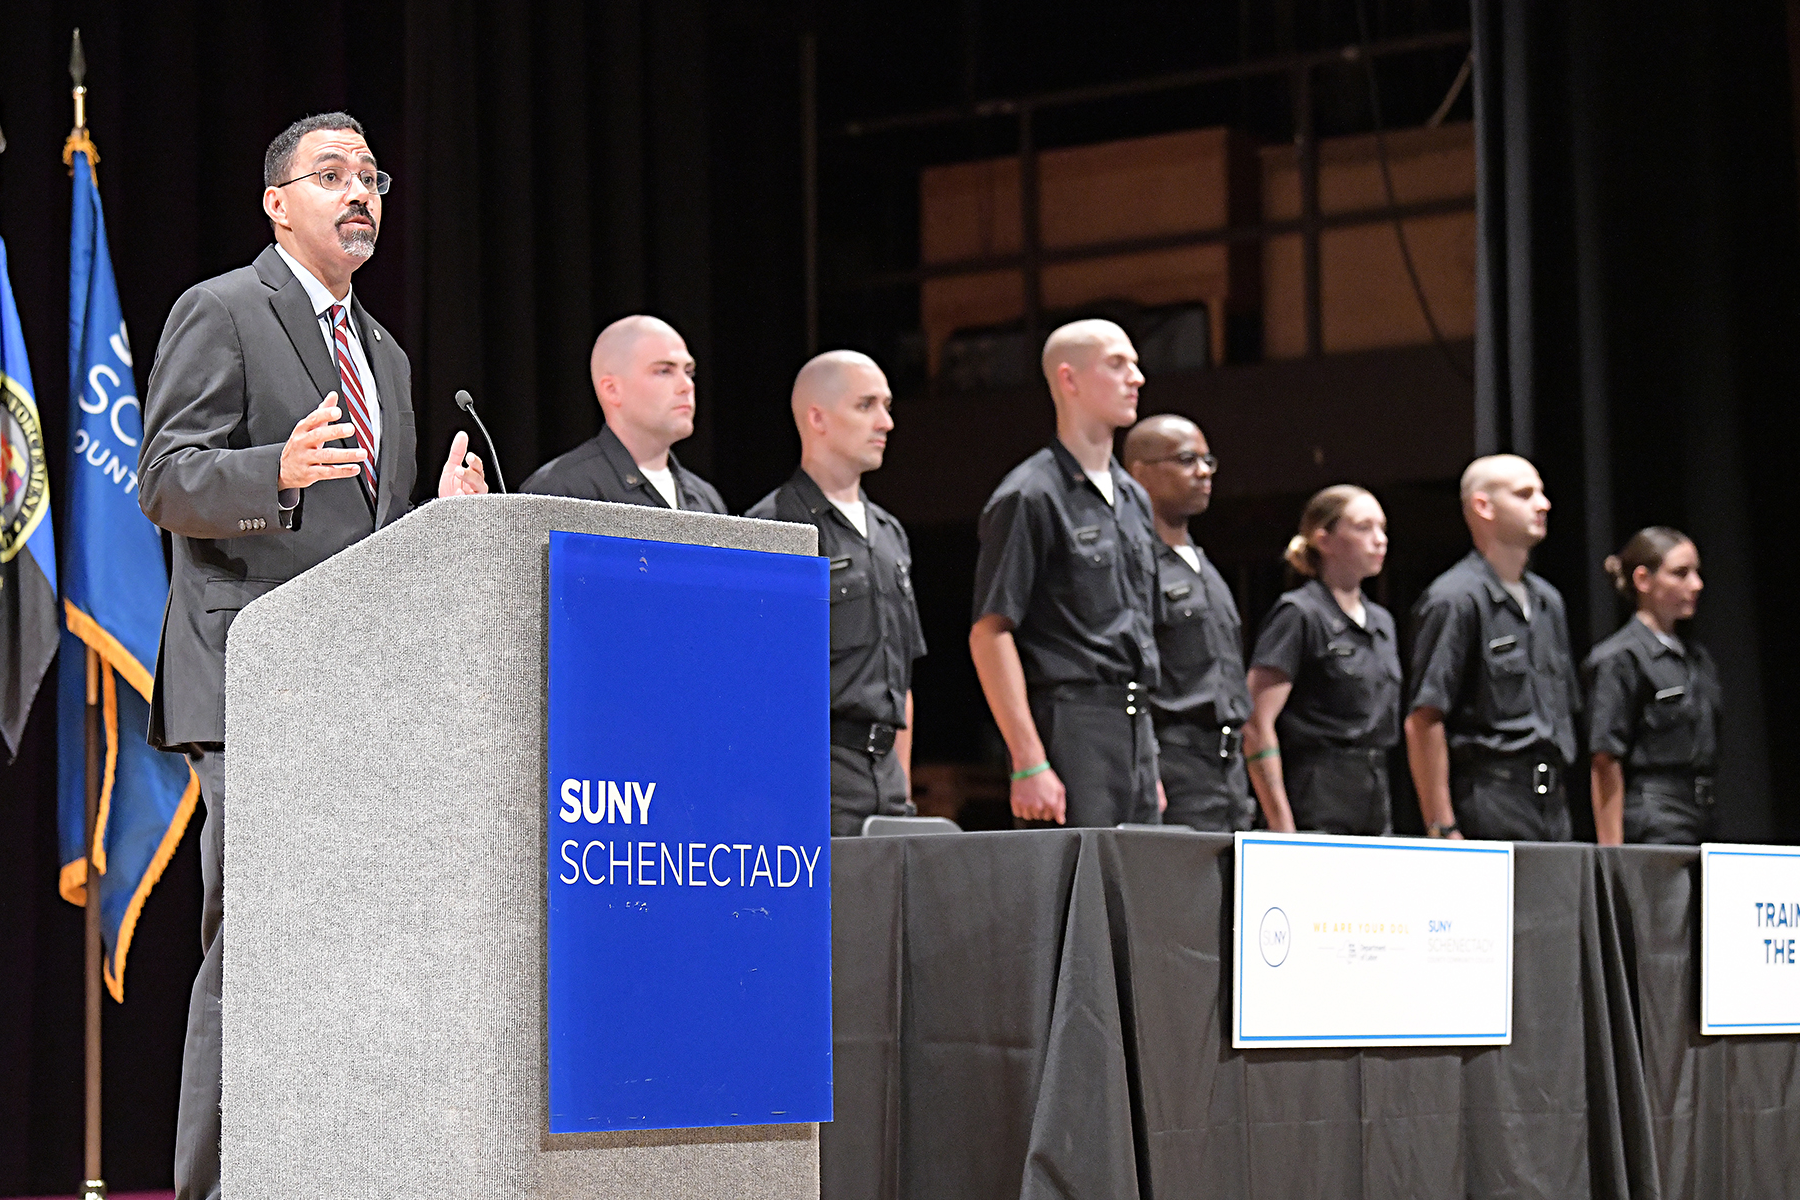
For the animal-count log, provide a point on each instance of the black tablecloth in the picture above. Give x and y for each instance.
(1046, 1014)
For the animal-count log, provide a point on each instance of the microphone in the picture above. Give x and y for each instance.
(466, 402)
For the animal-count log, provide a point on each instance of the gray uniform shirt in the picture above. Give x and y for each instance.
(601, 469)
(1346, 676)
(1505, 685)
(875, 631)
(1074, 574)
(1653, 707)
(1199, 639)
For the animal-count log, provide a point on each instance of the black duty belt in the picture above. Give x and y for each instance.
(1373, 755)
(1134, 698)
(1676, 785)
(1226, 740)
(874, 739)
(1539, 772)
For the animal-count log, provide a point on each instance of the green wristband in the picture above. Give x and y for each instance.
(1028, 772)
(1271, 752)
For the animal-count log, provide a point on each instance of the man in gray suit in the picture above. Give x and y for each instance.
(278, 429)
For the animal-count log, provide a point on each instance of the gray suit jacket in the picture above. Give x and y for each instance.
(241, 360)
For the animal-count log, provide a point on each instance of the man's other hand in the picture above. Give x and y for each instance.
(462, 474)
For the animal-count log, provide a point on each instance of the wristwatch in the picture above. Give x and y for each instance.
(1441, 831)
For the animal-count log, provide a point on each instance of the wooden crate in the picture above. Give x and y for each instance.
(1366, 300)
(1089, 196)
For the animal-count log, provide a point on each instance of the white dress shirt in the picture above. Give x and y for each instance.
(322, 300)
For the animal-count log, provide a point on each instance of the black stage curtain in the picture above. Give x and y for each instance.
(1638, 282)
(1047, 1015)
(556, 163)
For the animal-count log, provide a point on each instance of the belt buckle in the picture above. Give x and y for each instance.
(881, 739)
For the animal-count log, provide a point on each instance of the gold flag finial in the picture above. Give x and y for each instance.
(78, 137)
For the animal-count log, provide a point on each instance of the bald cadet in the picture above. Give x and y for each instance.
(643, 379)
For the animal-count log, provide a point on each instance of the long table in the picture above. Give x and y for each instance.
(1046, 1014)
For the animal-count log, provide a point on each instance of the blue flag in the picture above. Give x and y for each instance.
(27, 551)
(114, 588)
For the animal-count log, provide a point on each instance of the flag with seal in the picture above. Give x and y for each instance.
(28, 621)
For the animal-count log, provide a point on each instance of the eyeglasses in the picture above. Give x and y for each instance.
(336, 179)
(1189, 460)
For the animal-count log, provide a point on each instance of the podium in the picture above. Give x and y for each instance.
(384, 1003)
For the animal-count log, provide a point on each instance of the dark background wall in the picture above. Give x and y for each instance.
(560, 164)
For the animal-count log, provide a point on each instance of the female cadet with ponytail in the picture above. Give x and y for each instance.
(1325, 678)
(1653, 702)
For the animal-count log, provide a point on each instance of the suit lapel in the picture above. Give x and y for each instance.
(302, 324)
(387, 395)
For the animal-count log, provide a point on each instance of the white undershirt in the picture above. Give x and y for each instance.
(1668, 640)
(1359, 614)
(855, 512)
(664, 482)
(1103, 481)
(1517, 592)
(1189, 555)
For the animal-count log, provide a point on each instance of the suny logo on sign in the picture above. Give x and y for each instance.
(621, 861)
(1274, 938)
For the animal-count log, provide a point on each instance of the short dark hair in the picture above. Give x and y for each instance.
(278, 160)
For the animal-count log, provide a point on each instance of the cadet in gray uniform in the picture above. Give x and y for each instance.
(1325, 678)
(1201, 704)
(842, 407)
(1490, 729)
(644, 379)
(1063, 638)
(1653, 702)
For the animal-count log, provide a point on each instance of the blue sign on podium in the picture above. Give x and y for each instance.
(688, 841)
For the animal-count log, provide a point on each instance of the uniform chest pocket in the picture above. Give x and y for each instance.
(1182, 603)
(1342, 660)
(1508, 676)
(1668, 709)
(1092, 588)
(852, 607)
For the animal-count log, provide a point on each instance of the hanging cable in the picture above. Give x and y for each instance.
(1387, 183)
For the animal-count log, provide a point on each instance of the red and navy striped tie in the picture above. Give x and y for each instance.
(353, 394)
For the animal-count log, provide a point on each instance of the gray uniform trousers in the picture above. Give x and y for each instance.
(1206, 792)
(863, 786)
(197, 1118)
(1498, 800)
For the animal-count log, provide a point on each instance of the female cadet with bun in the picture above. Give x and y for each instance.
(1325, 678)
(1653, 702)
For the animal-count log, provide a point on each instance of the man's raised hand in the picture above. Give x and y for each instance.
(462, 474)
(306, 458)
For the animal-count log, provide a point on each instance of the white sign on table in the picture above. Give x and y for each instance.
(1344, 941)
(1749, 939)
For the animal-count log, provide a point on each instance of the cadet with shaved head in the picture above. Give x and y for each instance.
(1202, 703)
(1063, 638)
(842, 407)
(644, 379)
(1490, 729)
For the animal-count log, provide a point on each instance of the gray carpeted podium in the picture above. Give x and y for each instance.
(384, 884)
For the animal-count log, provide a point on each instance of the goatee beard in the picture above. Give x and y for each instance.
(357, 243)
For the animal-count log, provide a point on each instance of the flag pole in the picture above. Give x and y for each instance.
(93, 1186)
